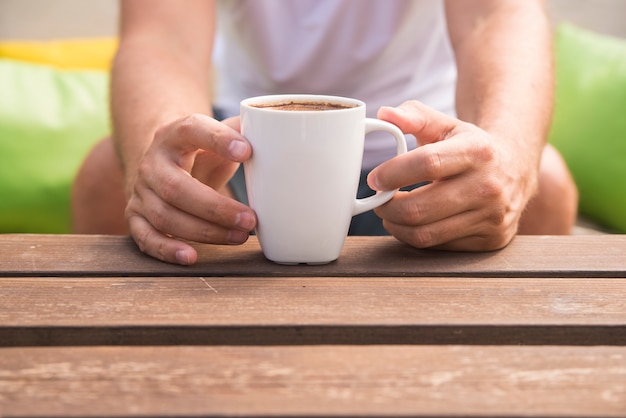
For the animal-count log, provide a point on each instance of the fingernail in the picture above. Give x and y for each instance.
(245, 221)
(372, 181)
(182, 257)
(237, 149)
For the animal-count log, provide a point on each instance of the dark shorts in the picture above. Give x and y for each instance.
(367, 223)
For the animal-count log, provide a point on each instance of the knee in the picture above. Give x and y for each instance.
(94, 157)
(553, 210)
(99, 171)
(556, 183)
(97, 192)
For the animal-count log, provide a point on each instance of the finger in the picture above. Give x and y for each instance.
(158, 245)
(171, 221)
(462, 232)
(199, 131)
(214, 173)
(177, 188)
(429, 162)
(425, 123)
(428, 204)
(476, 243)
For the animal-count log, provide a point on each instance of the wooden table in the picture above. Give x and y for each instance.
(91, 327)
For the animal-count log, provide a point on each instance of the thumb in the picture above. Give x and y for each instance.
(233, 123)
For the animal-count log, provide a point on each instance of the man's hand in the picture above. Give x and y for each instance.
(479, 185)
(166, 204)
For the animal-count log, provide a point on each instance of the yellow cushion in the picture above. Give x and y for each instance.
(74, 54)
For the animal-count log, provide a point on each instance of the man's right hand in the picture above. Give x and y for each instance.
(174, 195)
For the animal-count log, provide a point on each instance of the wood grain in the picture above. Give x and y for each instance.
(321, 380)
(89, 326)
(311, 310)
(526, 256)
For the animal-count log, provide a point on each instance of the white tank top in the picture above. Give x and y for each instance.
(380, 51)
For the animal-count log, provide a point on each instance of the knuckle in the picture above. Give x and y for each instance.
(170, 187)
(484, 149)
(422, 238)
(159, 217)
(214, 234)
(187, 124)
(144, 170)
(496, 217)
(207, 234)
(161, 251)
(490, 189)
(214, 210)
(220, 213)
(149, 240)
(142, 240)
(155, 245)
(412, 212)
(432, 162)
(182, 127)
(487, 153)
(496, 206)
(141, 236)
(161, 132)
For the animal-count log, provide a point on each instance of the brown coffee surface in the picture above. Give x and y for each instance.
(303, 106)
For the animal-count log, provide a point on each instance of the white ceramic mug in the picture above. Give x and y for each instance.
(303, 175)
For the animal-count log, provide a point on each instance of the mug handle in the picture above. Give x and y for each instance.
(368, 203)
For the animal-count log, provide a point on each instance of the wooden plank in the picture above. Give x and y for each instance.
(314, 381)
(526, 256)
(305, 310)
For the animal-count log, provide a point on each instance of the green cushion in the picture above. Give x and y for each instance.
(49, 118)
(589, 127)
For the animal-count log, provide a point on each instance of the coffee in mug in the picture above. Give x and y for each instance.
(292, 105)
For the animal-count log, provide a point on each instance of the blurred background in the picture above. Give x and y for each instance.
(588, 126)
(47, 19)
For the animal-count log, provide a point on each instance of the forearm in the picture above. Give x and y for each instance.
(144, 99)
(504, 58)
(155, 80)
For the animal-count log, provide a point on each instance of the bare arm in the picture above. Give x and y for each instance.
(161, 71)
(504, 59)
(162, 129)
(483, 167)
